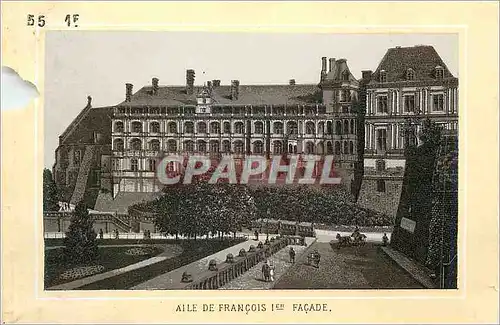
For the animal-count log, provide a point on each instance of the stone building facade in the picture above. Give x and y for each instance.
(366, 124)
(78, 169)
(410, 84)
(214, 120)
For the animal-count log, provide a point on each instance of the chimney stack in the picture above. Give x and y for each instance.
(128, 92)
(154, 82)
(292, 82)
(323, 69)
(89, 101)
(366, 75)
(190, 81)
(332, 64)
(216, 83)
(235, 89)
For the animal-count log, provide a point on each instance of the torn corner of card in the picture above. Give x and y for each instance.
(16, 92)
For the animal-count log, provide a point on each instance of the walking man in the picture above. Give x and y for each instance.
(317, 258)
(256, 233)
(266, 271)
(292, 255)
(101, 234)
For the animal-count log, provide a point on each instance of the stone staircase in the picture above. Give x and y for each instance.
(119, 223)
(83, 175)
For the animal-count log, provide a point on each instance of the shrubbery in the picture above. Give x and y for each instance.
(81, 239)
(198, 209)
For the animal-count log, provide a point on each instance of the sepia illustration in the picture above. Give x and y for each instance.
(195, 180)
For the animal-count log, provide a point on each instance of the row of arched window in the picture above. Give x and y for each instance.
(237, 146)
(341, 127)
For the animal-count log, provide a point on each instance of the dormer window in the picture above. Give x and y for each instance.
(410, 74)
(439, 72)
(383, 76)
(345, 76)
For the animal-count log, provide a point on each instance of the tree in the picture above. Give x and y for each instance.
(81, 239)
(50, 195)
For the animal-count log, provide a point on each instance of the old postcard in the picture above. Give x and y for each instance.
(193, 163)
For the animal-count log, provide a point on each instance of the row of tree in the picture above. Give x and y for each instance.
(199, 209)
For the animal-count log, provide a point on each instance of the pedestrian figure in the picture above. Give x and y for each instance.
(117, 235)
(292, 255)
(385, 239)
(256, 233)
(317, 258)
(271, 272)
(266, 271)
(101, 233)
(310, 257)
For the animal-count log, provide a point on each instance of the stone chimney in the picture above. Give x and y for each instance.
(323, 68)
(235, 89)
(89, 101)
(291, 82)
(216, 83)
(332, 64)
(323, 64)
(128, 92)
(366, 75)
(154, 83)
(190, 81)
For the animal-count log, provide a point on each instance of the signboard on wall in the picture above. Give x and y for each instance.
(408, 225)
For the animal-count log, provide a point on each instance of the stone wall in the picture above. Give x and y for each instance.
(384, 202)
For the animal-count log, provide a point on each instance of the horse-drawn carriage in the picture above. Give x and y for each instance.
(356, 239)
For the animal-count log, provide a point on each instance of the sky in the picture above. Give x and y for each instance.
(99, 64)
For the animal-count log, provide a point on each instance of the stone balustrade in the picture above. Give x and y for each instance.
(235, 265)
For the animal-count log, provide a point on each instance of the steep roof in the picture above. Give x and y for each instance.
(338, 70)
(96, 119)
(423, 59)
(247, 95)
(106, 203)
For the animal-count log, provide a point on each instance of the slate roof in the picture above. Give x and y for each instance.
(338, 70)
(423, 59)
(247, 95)
(120, 204)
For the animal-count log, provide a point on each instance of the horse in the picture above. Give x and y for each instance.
(343, 240)
(359, 238)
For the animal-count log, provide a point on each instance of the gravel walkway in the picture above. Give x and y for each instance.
(252, 279)
(170, 279)
(362, 267)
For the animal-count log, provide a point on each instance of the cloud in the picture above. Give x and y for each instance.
(16, 92)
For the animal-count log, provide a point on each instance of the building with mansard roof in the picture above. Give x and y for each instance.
(409, 85)
(107, 156)
(215, 120)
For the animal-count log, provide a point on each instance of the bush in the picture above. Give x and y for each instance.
(81, 239)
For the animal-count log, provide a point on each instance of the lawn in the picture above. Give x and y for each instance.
(365, 267)
(60, 241)
(109, 257)
(193, 250)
